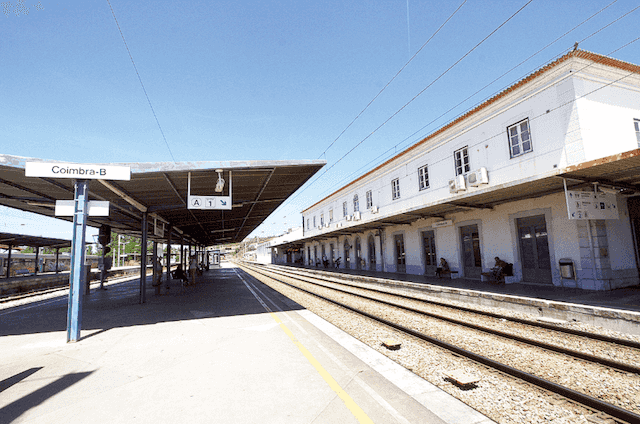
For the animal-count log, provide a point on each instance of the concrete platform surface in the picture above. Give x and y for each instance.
(229, 350)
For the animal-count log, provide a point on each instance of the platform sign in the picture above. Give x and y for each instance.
(80, 171)
(94, 208)
(589, 205)
(209, 202)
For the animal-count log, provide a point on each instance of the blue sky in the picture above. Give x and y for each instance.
(236, 80)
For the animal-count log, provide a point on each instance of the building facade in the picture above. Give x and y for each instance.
(496, 182)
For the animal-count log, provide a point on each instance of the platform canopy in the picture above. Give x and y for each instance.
(10, 239)
(160, 190)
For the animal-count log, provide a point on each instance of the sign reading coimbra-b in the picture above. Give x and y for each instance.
(77, 170)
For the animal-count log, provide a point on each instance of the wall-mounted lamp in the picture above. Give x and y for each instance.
(220, 183)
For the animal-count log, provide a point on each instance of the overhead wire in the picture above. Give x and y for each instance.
(394, 77)
(387, 154)
(414, 97)
(140, 79)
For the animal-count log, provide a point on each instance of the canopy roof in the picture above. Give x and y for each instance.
(9, 239)
(160, 190)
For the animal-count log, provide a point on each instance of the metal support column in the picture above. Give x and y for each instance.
(156, 278)
(57, 259)
(169, 258)
(77, 275)
(35, 268)
(182, 252)
(9, 260)
(143, 260)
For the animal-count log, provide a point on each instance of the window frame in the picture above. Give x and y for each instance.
(322, 219)
(356, 203)
(636, 126)
(465, 166)
(330, 216)
(314, 221)
(345, 211)
(520, 144)
(369, 198)
(395, 189)
(423, 177)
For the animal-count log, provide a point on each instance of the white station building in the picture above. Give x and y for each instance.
(545, 175)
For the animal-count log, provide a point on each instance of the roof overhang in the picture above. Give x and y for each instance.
(160, 190)
(620, 171)
(10, 239)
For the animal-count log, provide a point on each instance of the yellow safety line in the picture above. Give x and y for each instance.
(357, 412)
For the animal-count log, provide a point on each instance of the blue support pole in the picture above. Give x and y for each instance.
(77, 276)
(143, 260)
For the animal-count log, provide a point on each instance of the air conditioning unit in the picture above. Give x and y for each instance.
(457, 184)
(348, 217)
(328, 224)
(478, 177)
(356, 216)
(374, 209)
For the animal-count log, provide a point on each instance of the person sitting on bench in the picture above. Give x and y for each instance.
(497, 272)
(443, 268)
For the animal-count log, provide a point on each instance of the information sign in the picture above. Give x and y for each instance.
(78, 171)
(589, 205)
(95, 208)
(209, 202)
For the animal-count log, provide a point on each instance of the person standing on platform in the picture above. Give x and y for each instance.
(193, 268)
(157, 272)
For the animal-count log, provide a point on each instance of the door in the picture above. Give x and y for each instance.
(372, 253)
(429, 250)
(332, 255)
(358, 254)
(534, 249)
(401, 261)
(347, 259)
(471, 259)
(633, 204)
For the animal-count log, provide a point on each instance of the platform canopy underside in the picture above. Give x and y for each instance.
(160, 190)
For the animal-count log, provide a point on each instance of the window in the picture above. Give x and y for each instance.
(369, 196)
(423, 177)
(330, 215)
(519, 138)
(636, 124)
(321, 219)
(395, 189)
(308, 225)
(314, 222)
(461, 161)
(344, 208)
(356, 203)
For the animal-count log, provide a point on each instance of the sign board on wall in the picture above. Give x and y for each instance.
(589, 205)
(439, 224)
(80, 171)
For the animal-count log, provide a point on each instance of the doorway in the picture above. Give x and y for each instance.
(401, 260)
(471, 259)
(429, 249)
(534, 249)
(347, 260)
(372, 253)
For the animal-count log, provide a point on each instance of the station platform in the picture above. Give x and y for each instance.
(228, 350)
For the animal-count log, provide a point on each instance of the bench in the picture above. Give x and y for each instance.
(452, 274)
(19, 272)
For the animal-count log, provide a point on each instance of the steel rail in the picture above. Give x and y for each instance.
(569, 352)
(588, 401)
(600, 337)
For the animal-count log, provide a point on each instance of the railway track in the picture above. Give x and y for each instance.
(526, 350)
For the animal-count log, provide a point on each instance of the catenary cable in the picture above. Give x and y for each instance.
(140, 79)
(414, 98)
(391, 80)
(386, 153)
